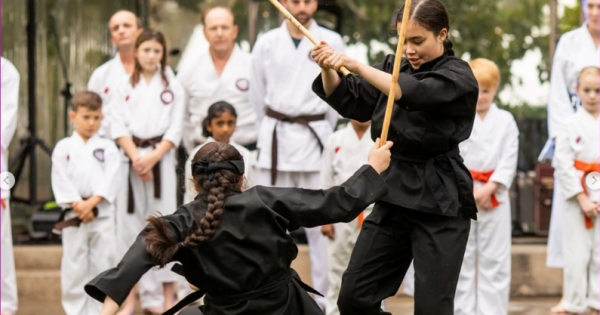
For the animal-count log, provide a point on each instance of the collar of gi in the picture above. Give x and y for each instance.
(206, 167)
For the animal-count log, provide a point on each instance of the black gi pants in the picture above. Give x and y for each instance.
(392, 236)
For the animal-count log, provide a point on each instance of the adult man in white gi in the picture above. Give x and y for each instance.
(575, 50)
(10, 105)
(124, 27)
(294, 122)
(220, 74)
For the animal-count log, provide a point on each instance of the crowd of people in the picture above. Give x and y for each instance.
(428, 209)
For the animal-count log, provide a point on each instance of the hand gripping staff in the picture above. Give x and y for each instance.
(303, 29)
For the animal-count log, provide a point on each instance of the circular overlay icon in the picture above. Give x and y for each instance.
(7, 180)
(592, 181)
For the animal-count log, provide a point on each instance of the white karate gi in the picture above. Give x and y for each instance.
(575, 50)
(282, 77)
(578, 140)
(344, 153)
(81, 170)
(104, 82)
(190, 191)
(204, 87)
(10, 105)
(140, 111)
(484, 281)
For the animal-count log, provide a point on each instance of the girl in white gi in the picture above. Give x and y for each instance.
(575, 50)
(10, 106)
(85, 169)
(146, 123)
(490, 154)
(578, 154)
(218, 125)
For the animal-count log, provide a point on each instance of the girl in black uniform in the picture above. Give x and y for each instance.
(426, 216)
(234, 245)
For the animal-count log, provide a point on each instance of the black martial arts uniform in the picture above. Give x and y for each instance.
(245, 266)
(426, 216)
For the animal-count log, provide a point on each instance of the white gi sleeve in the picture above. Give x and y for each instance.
(564, 161)
(10, 105)
(327, 163)
(112, 161)
(258, 91)
(117, 116)
(509, 153)
(559, 102)
(173, 133)
(65, 192)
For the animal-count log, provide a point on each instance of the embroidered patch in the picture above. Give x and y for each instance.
(106, 90)
(337, 149)
(242, 85)
(310, 57)
(127, 98)
(99, 154)
(167, 97)
(68, 158)
(578, 140)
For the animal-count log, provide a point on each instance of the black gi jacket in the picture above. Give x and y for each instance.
(436, 113)
(251, 250)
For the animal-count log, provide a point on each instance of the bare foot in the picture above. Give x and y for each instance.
(594, 312)
(559, 308)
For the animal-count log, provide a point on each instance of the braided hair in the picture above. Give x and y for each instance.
(216, 169)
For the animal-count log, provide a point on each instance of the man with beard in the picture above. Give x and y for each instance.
(294, 122)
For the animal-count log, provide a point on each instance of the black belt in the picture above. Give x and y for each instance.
(270, 288)
(145, 143)
(431, 176)
(61, 223)
(303, 120)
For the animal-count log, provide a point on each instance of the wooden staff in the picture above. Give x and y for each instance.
(303, 29)
(395, 73)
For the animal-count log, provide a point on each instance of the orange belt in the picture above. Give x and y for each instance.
(361, 219)
(586, 168)
(3, 202)
(484, 177)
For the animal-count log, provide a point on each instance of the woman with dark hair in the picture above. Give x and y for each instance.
(145, 121)
(426, 216)
(234, 245)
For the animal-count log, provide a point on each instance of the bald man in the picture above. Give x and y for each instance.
(220, 74)
(124, 27)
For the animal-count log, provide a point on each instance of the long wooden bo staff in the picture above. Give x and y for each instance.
(395, 73)
(303, 29)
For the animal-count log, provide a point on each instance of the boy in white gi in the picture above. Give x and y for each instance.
(10, 106)
(577, 155)
(84, 176)
(124, 27)
(294, 123)
(491, 155)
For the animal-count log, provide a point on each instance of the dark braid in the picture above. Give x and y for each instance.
(216, 187)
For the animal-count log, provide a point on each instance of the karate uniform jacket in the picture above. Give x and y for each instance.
(10, 107)
(251, 251)
(434, 115)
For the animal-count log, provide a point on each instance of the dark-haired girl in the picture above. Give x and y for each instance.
(426, 216)
(234, 245)
(146, 122)
(218, 125)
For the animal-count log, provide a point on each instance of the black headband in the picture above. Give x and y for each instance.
(204, 167)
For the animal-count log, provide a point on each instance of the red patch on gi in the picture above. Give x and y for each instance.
(68, 157)
(127, 98)
(167, 97)
(242, 84)
(99, 154)
(337, 149)
(578, 140)
(106, 90)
